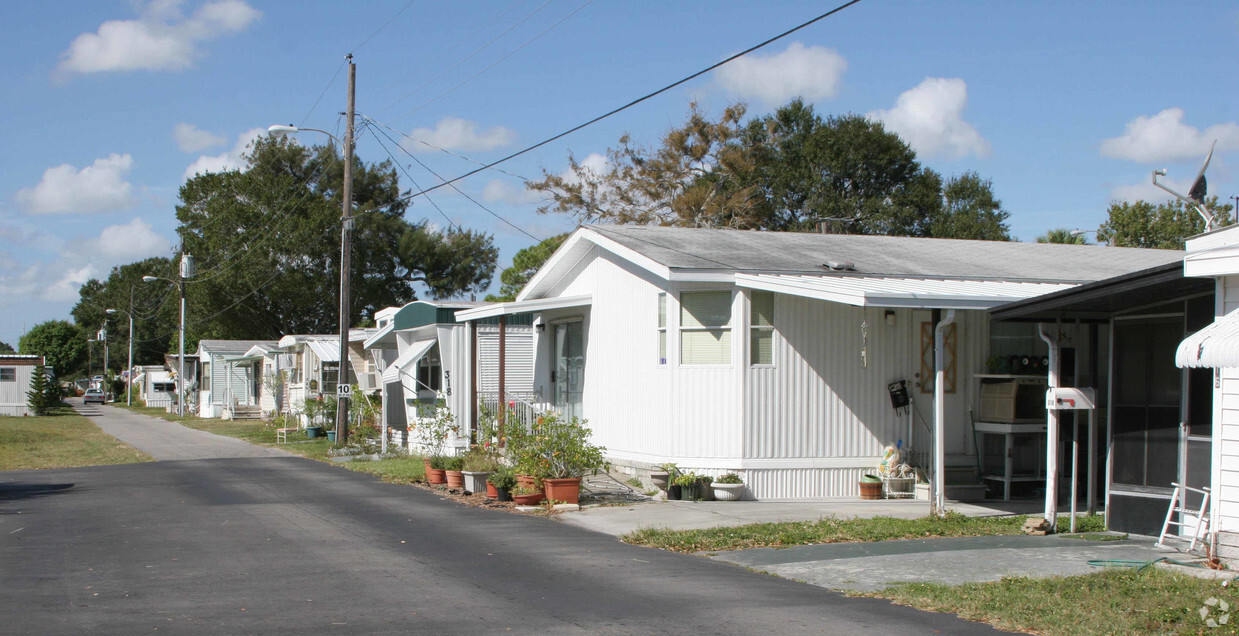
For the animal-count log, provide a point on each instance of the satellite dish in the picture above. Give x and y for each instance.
(1200, 186)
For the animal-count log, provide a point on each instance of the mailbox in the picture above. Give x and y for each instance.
(1067, 399)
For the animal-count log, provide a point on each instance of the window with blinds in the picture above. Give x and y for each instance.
(761, 327)
(705, 328)
(662, 328)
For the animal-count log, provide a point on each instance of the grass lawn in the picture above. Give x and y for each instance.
(63, 439)
(833, 530)
(1107, 602)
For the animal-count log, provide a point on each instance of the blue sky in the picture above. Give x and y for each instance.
(1066, 106)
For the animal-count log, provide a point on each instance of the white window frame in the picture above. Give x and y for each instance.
(663, 344)
(205, 383)
(727, 328)
(754, 329)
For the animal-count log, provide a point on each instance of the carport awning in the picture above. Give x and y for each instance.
(407, 359)
(1212, 347)
(912, 293)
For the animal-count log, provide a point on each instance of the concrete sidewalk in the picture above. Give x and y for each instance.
(164, 440)
(695, 515)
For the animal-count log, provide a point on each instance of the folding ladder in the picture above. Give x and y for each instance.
(1178, 504)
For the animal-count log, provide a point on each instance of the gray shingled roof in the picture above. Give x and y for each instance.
(751, 251)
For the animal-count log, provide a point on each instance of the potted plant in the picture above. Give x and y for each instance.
(436, 472)
(566, 455)
(870, 487)
(527, 496)
(661, 478)
(704, 491)
(728, 487)
(503, 480)
(313, 408)
(688, 486)
(478, 465)
(453, 466)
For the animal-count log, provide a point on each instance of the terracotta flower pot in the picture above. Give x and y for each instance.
(455, 479)
(528, 500)
(527, 481)
(491, 491)
(563, 490)
(436, 475)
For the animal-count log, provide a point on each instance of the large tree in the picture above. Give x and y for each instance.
(525, 264)
(792, 170)
(1063, 235)
(267, 245)
(61, 343)
(1161, 225)
(155, 310)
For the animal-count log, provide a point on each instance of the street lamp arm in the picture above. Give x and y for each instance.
(280, 131)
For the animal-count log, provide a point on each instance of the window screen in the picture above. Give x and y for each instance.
(761, 342)
(705, 328)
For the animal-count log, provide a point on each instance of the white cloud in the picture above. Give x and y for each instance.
(500, 190)
(99, 187)
(813, 72)
(1164, 137)
(453, 133)
(594, 164)
(231, 160)
(161, 39)
(66, 288)
(126, 243)
(930, 118)
(189, 138)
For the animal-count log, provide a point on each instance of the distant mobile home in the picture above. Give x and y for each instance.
(16, 373)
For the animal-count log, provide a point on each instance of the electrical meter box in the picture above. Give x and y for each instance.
(1068, 399)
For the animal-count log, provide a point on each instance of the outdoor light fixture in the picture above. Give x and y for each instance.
(890, 317)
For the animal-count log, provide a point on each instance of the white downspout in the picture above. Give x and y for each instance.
(939, 480)
(1051, 435)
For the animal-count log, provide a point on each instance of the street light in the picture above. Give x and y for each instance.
(345, 252)
(128, 378)
(186, 270)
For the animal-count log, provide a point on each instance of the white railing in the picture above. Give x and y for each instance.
(523, 407)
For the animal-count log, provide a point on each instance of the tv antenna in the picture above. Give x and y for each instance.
(1195, 198)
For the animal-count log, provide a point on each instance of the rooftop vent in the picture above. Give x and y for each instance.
(839, 266)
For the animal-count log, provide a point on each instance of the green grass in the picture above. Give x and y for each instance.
(834, 530)
(1106, 602)
(403, 470)
(61, 440)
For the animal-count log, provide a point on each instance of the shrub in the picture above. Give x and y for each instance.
(503, 478)
(478, 460)
(453, 463)
(729, 478)
(686, 479)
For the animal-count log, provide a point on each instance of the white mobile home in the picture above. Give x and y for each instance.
(423, 353)
(1215, 350)
(228, 384)
(16, 372)
(156, 385)
(774, 354)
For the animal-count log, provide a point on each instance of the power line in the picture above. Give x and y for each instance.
(496, 62)
(324, 93)
(459, 191)
(635, 101)
(385, 25)
(450, 224)
(467, 57)
(443, 150)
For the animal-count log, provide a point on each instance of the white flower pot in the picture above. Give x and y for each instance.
(475, 481)
(727, 492)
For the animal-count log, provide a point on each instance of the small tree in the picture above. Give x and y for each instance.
(39, 396)
(1062, 235)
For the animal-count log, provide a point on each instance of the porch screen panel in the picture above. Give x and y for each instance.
(705, 328)
(1147, 392)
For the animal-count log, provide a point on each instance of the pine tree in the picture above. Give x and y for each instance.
(38, 393)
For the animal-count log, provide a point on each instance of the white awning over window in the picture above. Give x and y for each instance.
(1214, 346)
(913, 293)
(326, 350)
(523, 307)
(407, 359)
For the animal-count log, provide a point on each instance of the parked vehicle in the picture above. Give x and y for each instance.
(94, 395)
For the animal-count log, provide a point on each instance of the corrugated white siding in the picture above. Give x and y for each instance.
(640, 410)
(13, 399)
(1226, 438)
(819, 401)
(518, 363)
(150, 395)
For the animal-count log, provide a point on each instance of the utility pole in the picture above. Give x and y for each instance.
(129, 377)
(180, 374)
(346, 227)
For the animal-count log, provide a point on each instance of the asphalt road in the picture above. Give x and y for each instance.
(280, 544)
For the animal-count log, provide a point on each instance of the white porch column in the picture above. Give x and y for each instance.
(938, 483)
(1051, 435)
